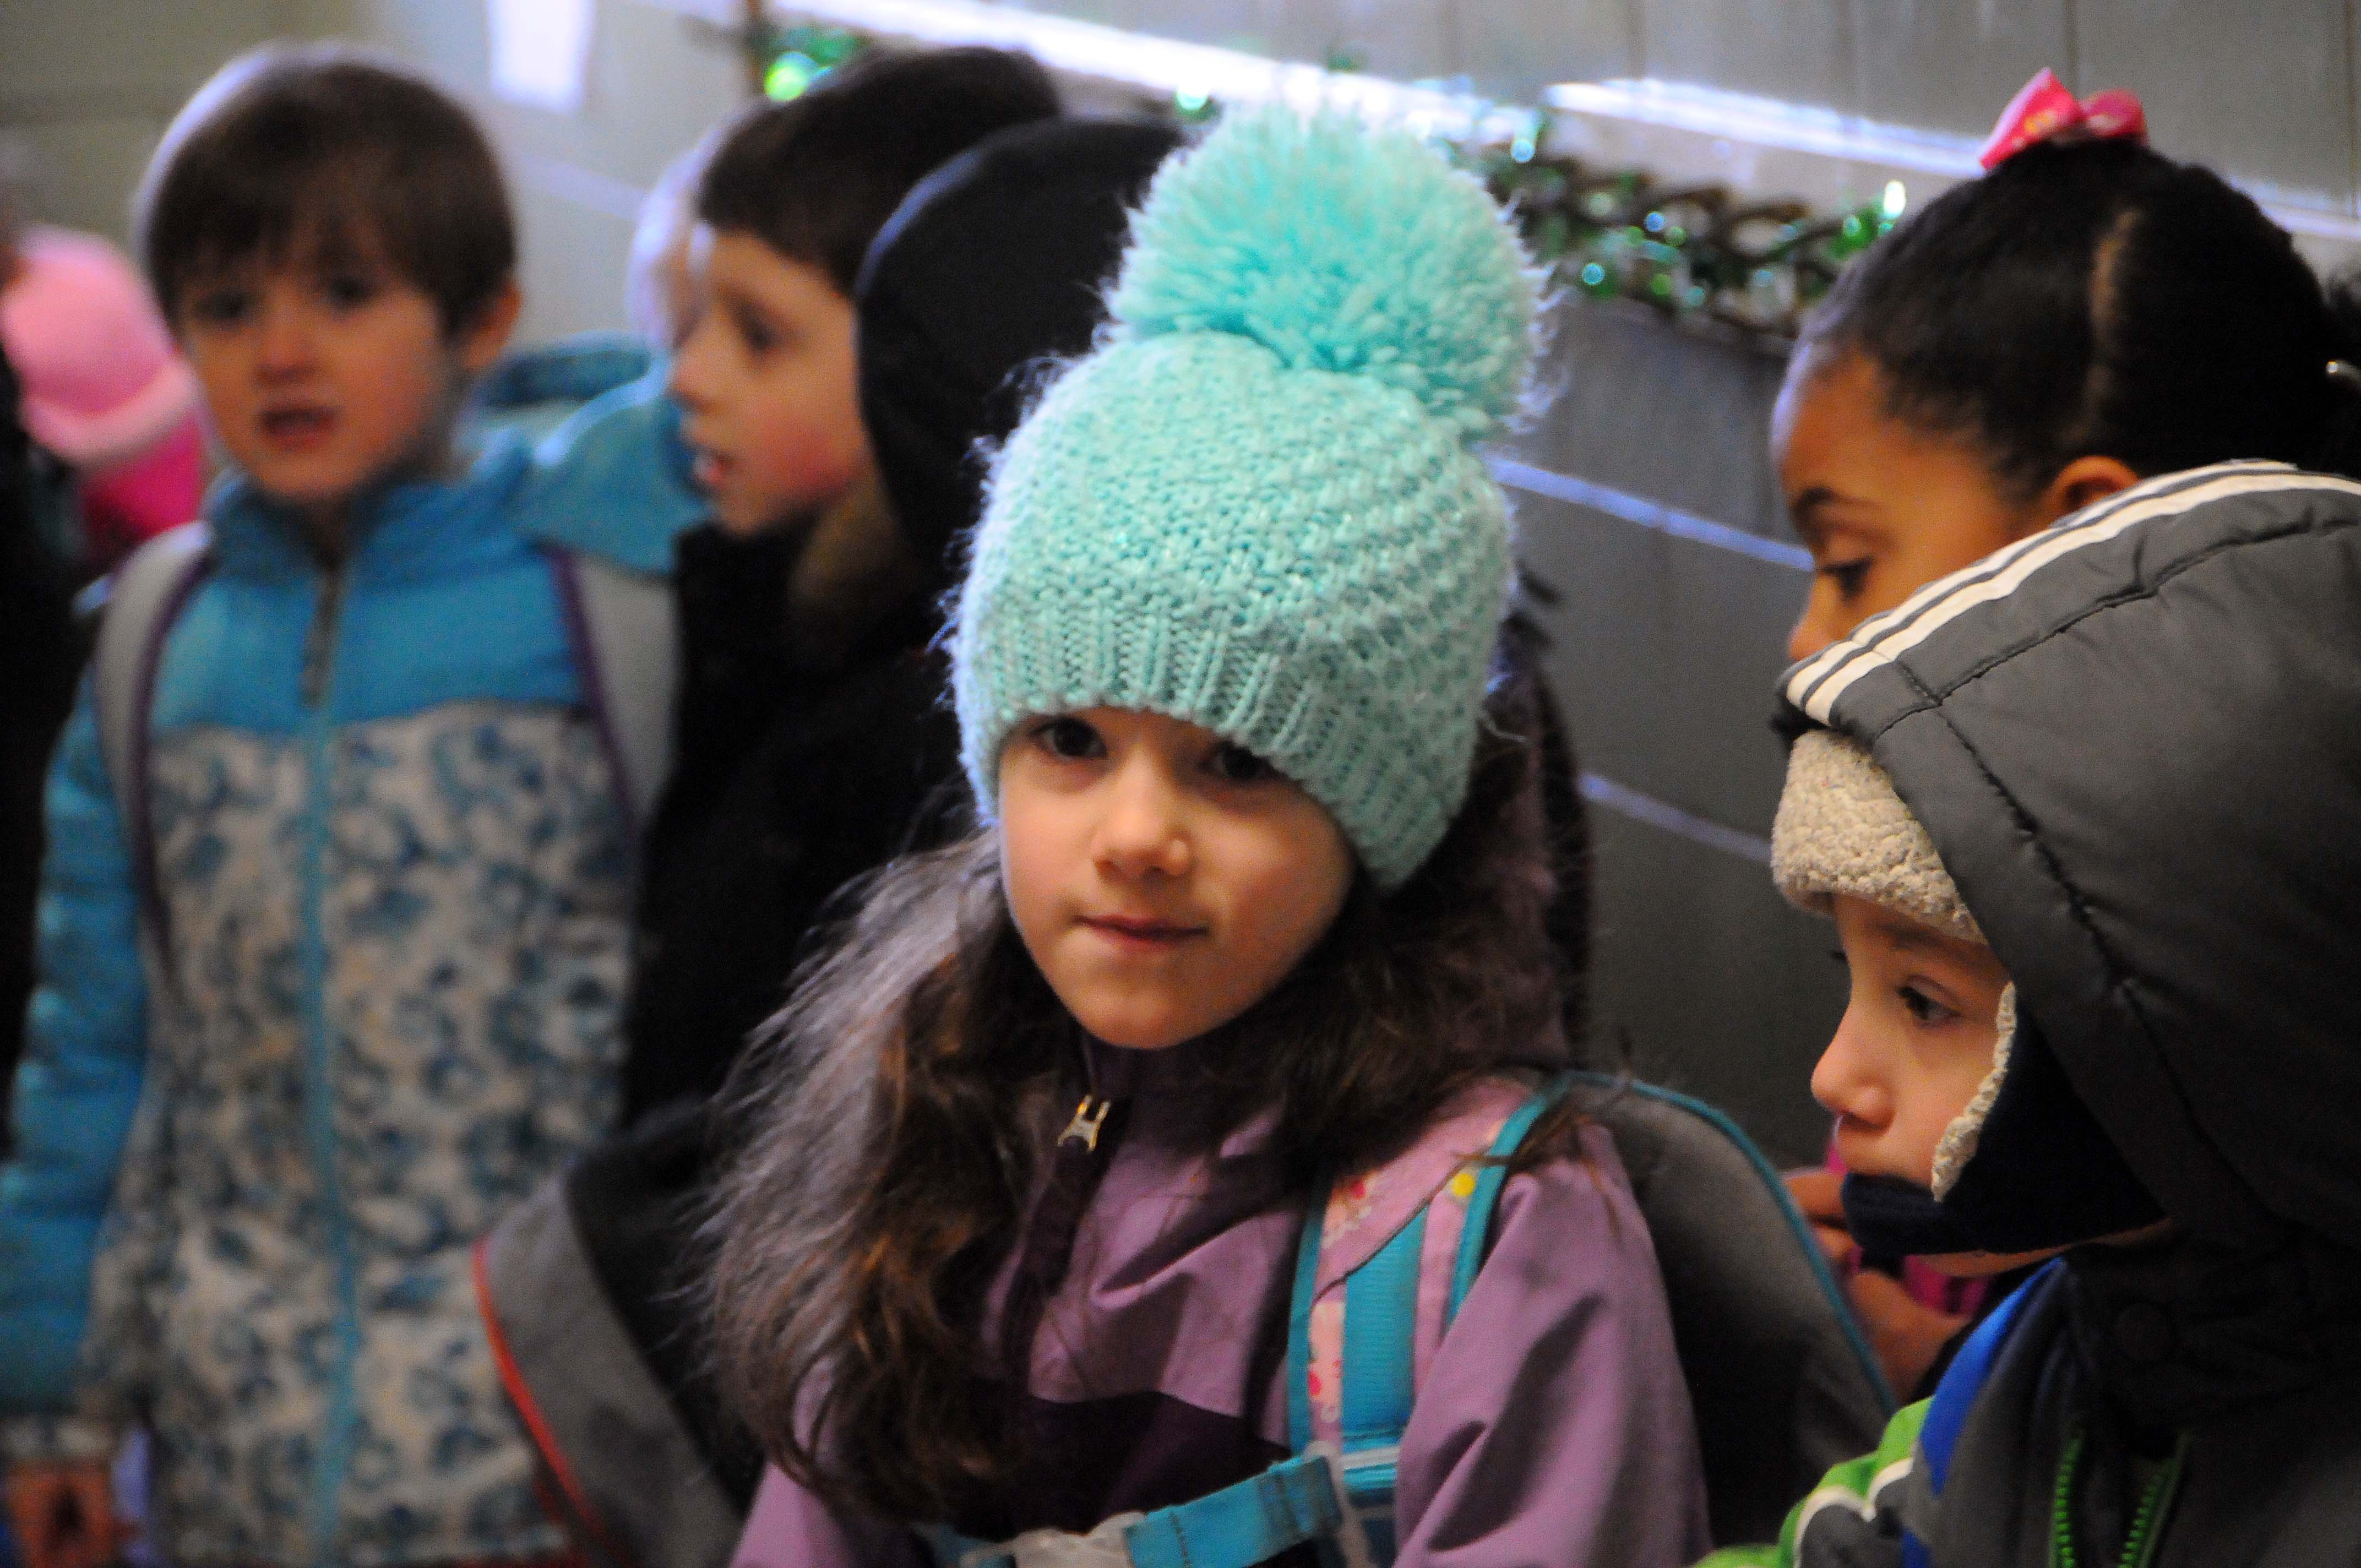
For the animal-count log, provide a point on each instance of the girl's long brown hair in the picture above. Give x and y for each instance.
(889, 1125)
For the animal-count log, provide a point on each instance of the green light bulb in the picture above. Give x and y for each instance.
(791, 76)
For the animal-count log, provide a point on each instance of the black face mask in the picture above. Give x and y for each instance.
(2044, 1175)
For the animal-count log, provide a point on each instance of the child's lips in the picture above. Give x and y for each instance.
(1137, 934)
(299, 428)
(1865, 1156)
(709, 468)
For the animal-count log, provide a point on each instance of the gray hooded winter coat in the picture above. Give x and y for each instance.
(2135, 741)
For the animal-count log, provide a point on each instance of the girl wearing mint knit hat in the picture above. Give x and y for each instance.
(1100, 1197)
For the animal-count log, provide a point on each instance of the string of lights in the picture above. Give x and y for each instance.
(1694, 253)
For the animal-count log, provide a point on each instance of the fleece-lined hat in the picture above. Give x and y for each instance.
(1257, 506)
(1841, 830)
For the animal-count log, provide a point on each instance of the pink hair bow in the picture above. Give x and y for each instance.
(2044, 111)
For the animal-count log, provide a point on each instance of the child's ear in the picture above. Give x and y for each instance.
(2086, 481)
(483, 338)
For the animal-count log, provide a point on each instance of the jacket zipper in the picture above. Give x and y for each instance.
(319, 1096)
(1089, 1117)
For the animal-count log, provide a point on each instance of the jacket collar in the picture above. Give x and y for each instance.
(399, 532)
(2179, 1333)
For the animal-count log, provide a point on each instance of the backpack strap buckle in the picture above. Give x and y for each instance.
(1352, 1541)
(1104, 1547)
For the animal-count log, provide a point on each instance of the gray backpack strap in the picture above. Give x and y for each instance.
(146, 596)
(627, 1475)
(625, 634)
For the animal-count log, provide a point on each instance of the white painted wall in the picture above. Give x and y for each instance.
(87, 86)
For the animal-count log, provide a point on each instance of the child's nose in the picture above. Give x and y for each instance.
(692, 364)
(1811, 631)
(1845, 1080)
(1144, 829)
(284, 340)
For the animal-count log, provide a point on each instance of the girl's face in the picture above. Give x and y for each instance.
(1884, 508)
(1164, 880)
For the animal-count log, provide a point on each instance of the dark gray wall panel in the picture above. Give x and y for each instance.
(2263, 93)
(1664, 649)
(1664, 653)
(1717, 986)
(1681, 419)
(1954, 67)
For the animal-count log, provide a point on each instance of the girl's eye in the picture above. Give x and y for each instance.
(1236, 764)
(1068, 739)
(1924, 1010)
(1848, 576)
(221, 307)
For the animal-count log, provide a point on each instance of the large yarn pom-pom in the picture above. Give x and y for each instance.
(1339, 247)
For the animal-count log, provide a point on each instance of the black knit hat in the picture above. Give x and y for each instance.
(995, 264)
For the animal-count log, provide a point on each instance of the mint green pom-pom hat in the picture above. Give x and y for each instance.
(1257, 506)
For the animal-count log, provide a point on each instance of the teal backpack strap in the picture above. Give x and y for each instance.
(1380, 1317)
(1295, 1503)
(1378, 1383)
(1378, 1355)
(1366, 1486)
(1475, 1237)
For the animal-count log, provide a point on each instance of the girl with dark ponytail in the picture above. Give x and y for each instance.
(2088, 314)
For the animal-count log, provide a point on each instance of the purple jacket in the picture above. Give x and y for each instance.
(1552, 1425)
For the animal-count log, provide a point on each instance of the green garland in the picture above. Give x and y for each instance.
(1690, 251)
(1693, 252)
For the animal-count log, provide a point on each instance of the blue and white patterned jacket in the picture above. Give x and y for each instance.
(394, 880)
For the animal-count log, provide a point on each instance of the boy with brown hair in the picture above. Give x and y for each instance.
(810, 735)
(333, 945)
(812, 743)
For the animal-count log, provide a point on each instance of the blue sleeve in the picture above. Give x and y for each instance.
(614, 480)
(534, 391)
(85, 1052)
